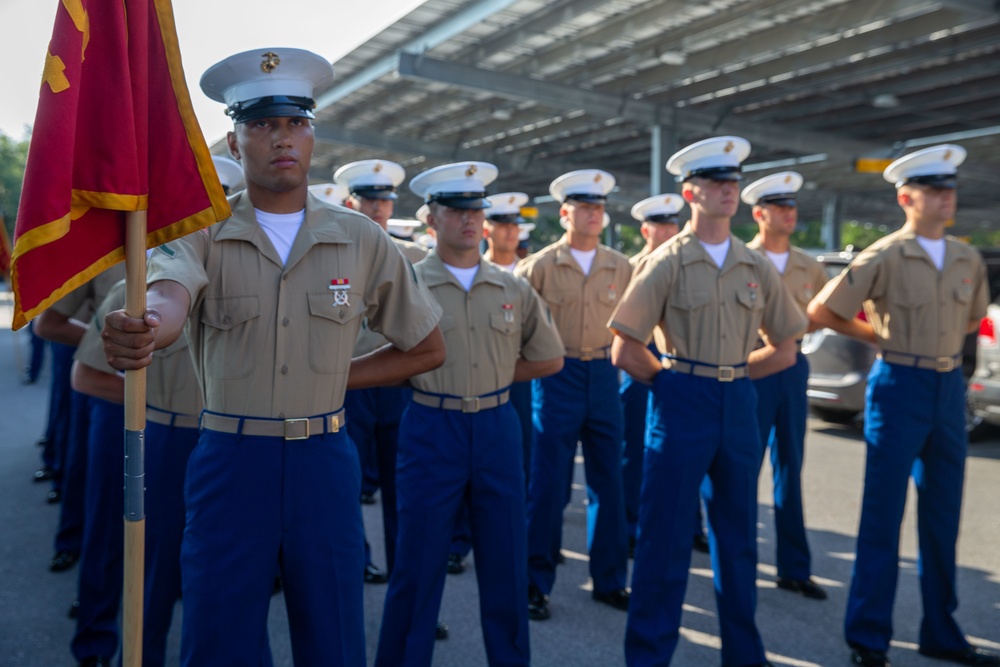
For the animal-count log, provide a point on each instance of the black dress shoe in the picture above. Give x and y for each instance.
(54, 496)
(74, 609)
(617, 599)
(276, 585)
(804, 587)
(373, 575)
(43, 474)
(869, 657)
(441, 631)
(455, 564)
(970, 655)
(367, 499)
(560, 558)
(95, 662)
(700, 543)
(538, 604)
(63, 560)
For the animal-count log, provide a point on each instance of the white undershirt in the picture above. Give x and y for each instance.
(934, 248)
(464, 276)
(509, 268)
(281, 228)
(717, 251)
(585, 258)
(779, 259)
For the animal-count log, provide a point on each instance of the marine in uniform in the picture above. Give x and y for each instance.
(63, 325)
(459, 438)
(173, 403)
(709, 295)
(375, 412)
(659, 222)
(781, 397)
(922, 292)
(273, 299)
(581, 281)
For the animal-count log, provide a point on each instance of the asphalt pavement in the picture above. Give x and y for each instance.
(34, 629)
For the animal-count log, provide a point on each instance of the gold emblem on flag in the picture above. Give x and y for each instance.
(270, 62)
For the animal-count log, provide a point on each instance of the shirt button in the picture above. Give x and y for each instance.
(472, 328)
(281, 415)
(475, 365)
(284, 322)
(284, 370)
(226, 320)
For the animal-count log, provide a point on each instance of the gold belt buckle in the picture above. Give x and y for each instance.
(289, 422)
(944, 364)
(334, 422)
(586, 353)
(726, 374)
(470, 404)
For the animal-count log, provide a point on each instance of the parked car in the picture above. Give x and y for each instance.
(838, 364)
(983, 395)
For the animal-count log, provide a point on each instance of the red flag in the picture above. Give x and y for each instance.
(114, 132)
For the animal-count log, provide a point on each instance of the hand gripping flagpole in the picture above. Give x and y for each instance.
(135, 464)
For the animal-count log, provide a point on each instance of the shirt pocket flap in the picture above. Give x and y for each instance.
(228, 312)
(691, 300)
(499, 322)
(321, 305)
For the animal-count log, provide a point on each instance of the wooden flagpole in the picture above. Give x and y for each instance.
(135, 467)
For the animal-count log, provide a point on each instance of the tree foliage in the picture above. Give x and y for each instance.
(13, 155)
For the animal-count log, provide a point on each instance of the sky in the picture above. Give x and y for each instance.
(207, 30)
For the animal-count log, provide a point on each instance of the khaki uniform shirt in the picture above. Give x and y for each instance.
(486, 330)
(804, 276)
(638, 257)
(81, 302)
(707, 314)
(171, 383)
(913, 307)
(580, 304)
(268, 339)
(368, 340)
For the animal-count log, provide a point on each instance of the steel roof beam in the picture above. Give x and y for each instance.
(472, 15)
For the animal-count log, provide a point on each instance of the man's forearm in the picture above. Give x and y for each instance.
(388, 365)
(634, 358)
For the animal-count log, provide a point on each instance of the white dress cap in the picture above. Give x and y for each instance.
(230, 172)
(289, 75)
(506, 206)
(590, 185)
(401, 228)
(718, 158)
(936, 166)
(524, 230)
(456, 185)
(777, 189)
(332, 193)
(372, 179)
(422, 213)
(661, 208)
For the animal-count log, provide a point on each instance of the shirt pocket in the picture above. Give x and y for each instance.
(230, 335)
(333, 331)
(505, 339)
